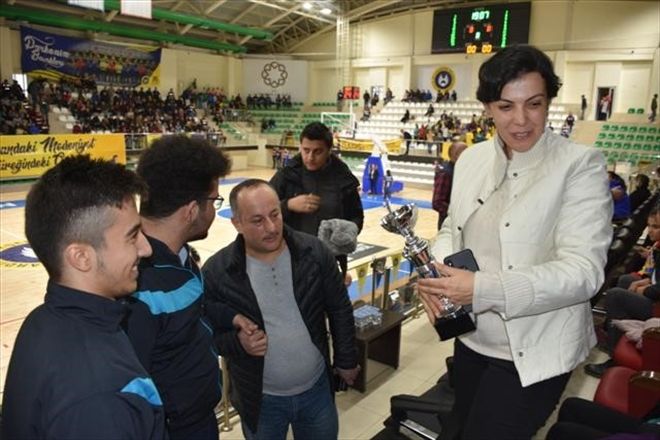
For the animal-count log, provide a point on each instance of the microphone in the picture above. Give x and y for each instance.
(339, 235)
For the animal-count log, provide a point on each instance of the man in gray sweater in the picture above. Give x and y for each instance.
(287, 282)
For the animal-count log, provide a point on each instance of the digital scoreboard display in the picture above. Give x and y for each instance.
(480, 30)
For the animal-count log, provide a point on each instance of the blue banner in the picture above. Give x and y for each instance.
(55, 56)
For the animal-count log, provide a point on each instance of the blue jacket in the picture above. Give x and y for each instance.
(172, 339)
(74, 374)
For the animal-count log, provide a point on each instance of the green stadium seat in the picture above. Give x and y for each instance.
(606, 127)
(639, 138)
(650, 138)
(614, 127)
(640, 111)
(627, 146)
(598, 144)
(637, 146)
(653, 129)
(618, 146)
(630, 137)
(611, 136)
(607, 144)
(642, 129)
(631, 110)
(601, 135)
(632, 129)
(623, 128)
(620, 137)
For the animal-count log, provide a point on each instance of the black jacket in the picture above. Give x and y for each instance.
(74, 374)
(172, 339)
(319, 292)
(334, 183)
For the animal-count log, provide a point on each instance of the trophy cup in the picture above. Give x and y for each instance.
(456, 320)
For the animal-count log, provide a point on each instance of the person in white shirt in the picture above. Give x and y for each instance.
(535, 210)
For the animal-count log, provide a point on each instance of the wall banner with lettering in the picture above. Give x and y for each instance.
(29, 156)
(55, 56)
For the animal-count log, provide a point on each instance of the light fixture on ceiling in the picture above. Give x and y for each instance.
(326, 11)
(307, 6)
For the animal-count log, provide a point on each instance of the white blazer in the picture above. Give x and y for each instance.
(554, 233)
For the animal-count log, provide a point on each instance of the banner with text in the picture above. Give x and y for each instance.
(23, 157)
(53, 56)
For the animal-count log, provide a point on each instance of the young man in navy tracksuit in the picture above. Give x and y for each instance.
(73, 372)
(170, 332)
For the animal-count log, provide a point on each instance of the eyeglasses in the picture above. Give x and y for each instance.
(217, 202)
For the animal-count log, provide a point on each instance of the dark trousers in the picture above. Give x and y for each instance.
(491, 403)
(207, 429)
(586, 420)
(624, 304)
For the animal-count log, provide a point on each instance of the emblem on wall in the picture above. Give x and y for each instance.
(274, 74)
(444, 79)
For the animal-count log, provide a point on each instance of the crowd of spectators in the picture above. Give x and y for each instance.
(265, 101)
(17, 114)
(417, 95)
(449, 127)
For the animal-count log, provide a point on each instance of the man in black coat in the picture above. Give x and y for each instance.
(316, 185)
(288, 284)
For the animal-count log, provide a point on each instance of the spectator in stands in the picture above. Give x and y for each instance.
(442, 181)
(429, 111)
(570, 121)
(587, 420)
(407, 137)
(406, 117)
(654, 108)
(583, 107)
(454, 97)
(388, 96)
(366, 97)
(73, 372)
(620, 197)
(275, 154)
(641, 192)
(318, 186)
(634, 301)
(534, 208)
(340, 100)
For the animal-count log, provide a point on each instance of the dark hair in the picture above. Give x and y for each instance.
(655, 209)
(509, 64)
(69, 202)
(617, 179)
(643, 180)
(249, 183)
(317, 131)
(178, 170)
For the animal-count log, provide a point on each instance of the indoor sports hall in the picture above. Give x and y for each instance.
(396, 83)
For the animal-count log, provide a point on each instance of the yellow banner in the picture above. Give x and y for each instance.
(29, 156)
(367, 146)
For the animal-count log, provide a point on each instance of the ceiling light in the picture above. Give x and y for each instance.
(326, 11)
(307, 6)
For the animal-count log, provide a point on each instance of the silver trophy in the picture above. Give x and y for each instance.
(456, 320)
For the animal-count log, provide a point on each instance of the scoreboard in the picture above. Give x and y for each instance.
(480, 30)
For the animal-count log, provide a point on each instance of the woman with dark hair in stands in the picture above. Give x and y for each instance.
(535, 210)
(641, 192)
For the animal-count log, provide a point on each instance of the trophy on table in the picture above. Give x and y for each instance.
(455, 320)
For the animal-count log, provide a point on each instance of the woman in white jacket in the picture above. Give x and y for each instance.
(535, 210)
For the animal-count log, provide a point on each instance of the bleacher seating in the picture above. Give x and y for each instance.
(629, 142)
(417, 173)
(388, 123)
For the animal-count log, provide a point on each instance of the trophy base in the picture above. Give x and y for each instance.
(453, 325)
